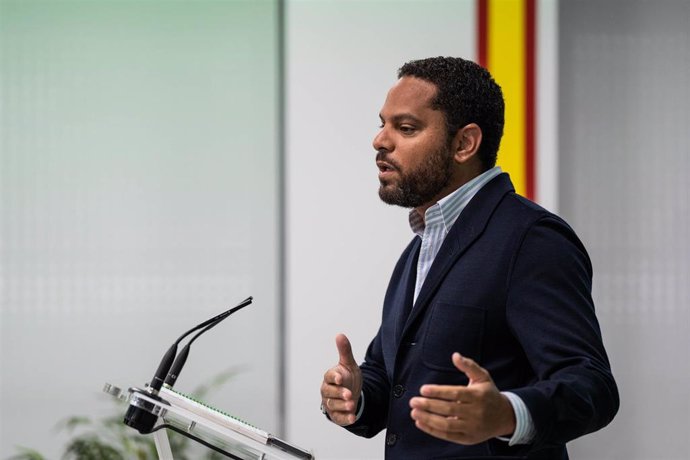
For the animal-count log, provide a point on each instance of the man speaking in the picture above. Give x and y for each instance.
(489, 346)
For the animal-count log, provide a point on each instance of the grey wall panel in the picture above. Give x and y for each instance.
(624, 159)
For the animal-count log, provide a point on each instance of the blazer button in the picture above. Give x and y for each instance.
(398, 391)
(391, 439)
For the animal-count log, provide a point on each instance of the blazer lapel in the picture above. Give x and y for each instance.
(408, 278)
(467, 228)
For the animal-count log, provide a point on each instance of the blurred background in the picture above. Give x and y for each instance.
(161, 160)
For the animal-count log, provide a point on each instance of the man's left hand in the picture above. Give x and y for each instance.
(464, 414)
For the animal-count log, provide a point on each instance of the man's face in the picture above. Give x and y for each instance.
(414, 157)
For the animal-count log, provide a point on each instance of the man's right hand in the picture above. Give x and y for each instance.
(342, 385)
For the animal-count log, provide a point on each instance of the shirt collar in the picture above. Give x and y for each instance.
(447, 210)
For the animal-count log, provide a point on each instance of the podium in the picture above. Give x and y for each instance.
(211, 427)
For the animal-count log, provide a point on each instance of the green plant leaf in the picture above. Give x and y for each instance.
(27, 454)
(71, 423)
(90, 447)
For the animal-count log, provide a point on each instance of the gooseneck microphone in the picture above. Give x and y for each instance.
(169, 357)
(139, 414)
(176, 368)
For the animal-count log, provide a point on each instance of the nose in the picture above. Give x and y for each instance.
(382, 141)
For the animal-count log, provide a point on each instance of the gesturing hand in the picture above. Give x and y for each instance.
(342, 385)
(464, 414)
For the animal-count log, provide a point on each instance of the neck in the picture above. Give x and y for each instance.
(457, 181)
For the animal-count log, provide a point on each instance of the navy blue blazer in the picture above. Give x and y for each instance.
(511, 289)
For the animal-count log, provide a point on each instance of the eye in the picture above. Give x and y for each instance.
(407, 129)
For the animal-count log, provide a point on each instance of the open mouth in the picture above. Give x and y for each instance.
(384, 167)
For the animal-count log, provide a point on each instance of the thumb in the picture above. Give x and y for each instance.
(344, 350)
(471, 369)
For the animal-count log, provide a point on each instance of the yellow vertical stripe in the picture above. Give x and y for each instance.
(506, 62)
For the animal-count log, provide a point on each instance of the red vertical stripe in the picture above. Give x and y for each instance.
(482, 33)
(530, 96)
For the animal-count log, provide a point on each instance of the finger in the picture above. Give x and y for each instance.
(457, 437)
(334, 376)
(342, 418)
(437, 406)
(440, 423)
(454, 393)
(471, 369)
(344, 351)
(335, 392)
(340, 405)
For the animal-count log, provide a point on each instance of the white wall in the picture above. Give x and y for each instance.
(342, 242)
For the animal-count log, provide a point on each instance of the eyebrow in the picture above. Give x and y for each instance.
(400, 117)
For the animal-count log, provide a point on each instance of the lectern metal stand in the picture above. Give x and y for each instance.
(160, 437)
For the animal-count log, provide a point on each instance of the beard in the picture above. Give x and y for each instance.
(421, 185)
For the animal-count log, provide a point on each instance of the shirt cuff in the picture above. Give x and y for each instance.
(524, 426)
(361, 406)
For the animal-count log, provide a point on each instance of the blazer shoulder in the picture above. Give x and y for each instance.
(498, 200)
(531, 212)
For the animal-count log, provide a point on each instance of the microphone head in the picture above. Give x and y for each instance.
(176, 368)
(163, 369)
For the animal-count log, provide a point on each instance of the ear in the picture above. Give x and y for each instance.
(466, 143)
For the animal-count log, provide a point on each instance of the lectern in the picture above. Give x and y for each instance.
(211, 427)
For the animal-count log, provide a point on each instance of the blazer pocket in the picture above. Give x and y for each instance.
(452, 328)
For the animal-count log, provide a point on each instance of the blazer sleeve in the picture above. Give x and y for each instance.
(376, 388)
(551, 313)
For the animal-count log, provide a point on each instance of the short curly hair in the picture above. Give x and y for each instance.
(467, 93)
